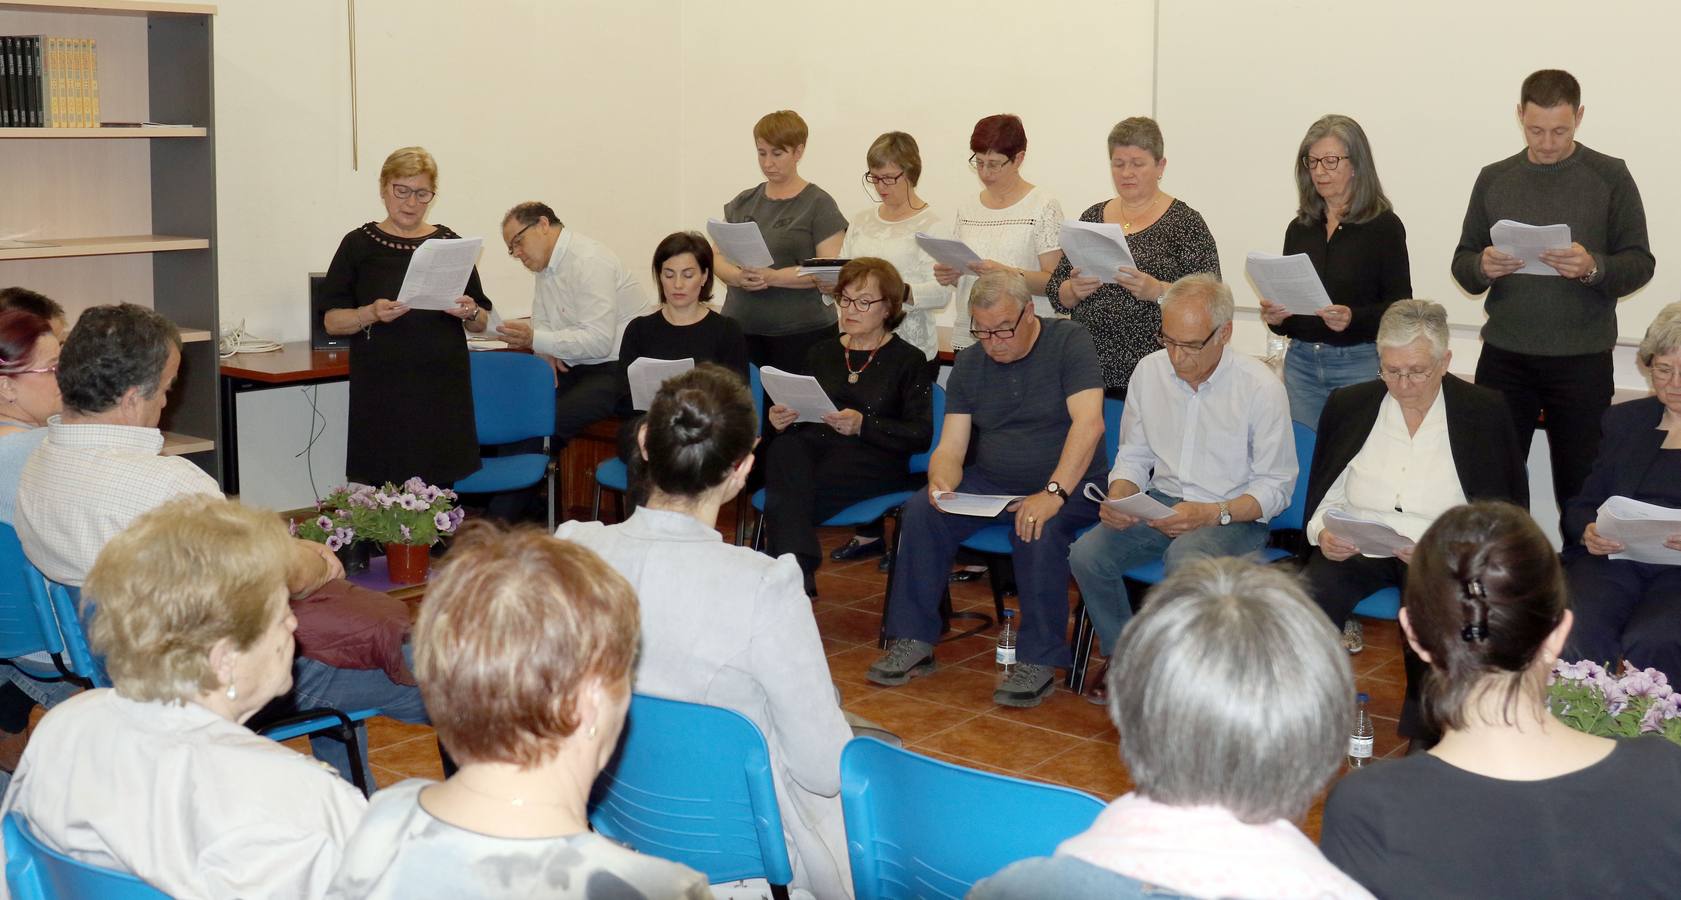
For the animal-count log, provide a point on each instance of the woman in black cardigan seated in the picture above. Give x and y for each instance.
(1627, 609)
(1401, 451)
(881, 388)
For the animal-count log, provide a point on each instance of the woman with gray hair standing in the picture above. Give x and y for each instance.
(1345, 225)
(1233, 703)
(1626, 609)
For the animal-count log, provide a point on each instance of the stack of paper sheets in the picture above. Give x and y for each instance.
(1641, 528)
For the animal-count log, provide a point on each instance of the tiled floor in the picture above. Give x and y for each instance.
(950, 715)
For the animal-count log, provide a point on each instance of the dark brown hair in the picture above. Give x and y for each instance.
(19, 330)
(1549, 88)
(892, 286)
(30, 301)
(1484, 591)
(700, 424)
(1002, 133)
(678, 243)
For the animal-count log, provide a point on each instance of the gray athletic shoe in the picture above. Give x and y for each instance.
(1353, 636)
(905, 659)
(1026, 686)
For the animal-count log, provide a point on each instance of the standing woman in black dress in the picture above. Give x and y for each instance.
(411, 398)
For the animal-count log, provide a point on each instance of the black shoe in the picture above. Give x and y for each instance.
(885, 563)
(857, 549)
(962, 575)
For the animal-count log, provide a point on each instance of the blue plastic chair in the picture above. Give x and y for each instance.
(513, 400)
(35, 871)
(29, 634)
(1384, 603)
(921, 828)
(694, 784)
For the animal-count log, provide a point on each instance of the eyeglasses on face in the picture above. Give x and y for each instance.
(51, 369)
(513, 242)
(1001, 334)
(1663, 373)
(1182, 346)
(889, 180)
(1329, 163)
(862, 303)
(1411, 376)
(404, 192)
(987, 165)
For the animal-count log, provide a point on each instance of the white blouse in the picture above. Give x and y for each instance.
(192, 803)
(1401, 480)
(871, 235)
(1014, 236)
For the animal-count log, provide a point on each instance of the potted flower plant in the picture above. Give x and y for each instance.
(407, 520)
(1636, 701)
(331, 525)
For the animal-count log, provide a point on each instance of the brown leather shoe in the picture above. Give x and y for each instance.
(1097, 686)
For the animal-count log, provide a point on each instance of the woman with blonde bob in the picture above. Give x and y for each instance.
(157, 775)
(524, 651)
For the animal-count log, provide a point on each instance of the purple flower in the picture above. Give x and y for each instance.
(414, 485)
(456, 515)
(1645, 683)
(443, 522)
(345, 535)
(334, 543)
(406, 533)
(1654, 718)
(292, 528)
(324, 523)
(1576, 671)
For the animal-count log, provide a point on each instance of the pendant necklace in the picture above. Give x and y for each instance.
(851, 374)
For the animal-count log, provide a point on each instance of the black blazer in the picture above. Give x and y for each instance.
(1480, 436)
(1628, 445)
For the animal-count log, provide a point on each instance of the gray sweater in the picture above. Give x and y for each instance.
(1545, 315)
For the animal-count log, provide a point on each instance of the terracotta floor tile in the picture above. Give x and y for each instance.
(416, 758)
(1377, 661)
(909, 718)
(954, 686)
(383, 732)
(844, 591)
(1091, 766)
(999, 743)
(384, 778)
(1386, 697)
(858, 626)
(847, 667)
(1384, 633)
(1064, 712)
(831, 646)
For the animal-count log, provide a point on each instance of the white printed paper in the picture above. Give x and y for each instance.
(438, 273)
(801, 393)
(1527, 241)
(1097, 249)
(1289, 281)
(1139, 505)
(647, 374)
(741, 243)
(1373, 539)
(984, 505)
(1641, 528)
(948, 251)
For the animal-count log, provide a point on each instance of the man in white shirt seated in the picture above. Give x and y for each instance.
(583, 300)
(99, 469)
(1206, 432)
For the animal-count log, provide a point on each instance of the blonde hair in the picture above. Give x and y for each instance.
(194, 571)
(783, 129)
(407, 162)
(512, 630)
(899, 149)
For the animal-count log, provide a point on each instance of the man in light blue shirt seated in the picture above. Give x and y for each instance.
(1206, 432)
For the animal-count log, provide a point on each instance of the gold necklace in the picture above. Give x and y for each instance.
(1126, 224)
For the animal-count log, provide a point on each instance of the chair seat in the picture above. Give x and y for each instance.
(1153, 572)
(39, 666)
(613, 475)
(1380, 604)
(861, 513)
(311, 726)
(991, 539)
(505, 473)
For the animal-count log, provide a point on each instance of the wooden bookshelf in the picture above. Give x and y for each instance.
(102, 133)
(106, 246)
(195, 336)
(132, 7)
(183, 444)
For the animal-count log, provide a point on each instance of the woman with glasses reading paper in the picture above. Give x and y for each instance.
(1358, 246)
(408, 367)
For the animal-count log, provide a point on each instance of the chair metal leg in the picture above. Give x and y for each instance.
(759, 533)
(995, 575)
(892, 564)
(349, 732)
(551, 498)
(1083, 638)
(595, 505)
(779, 892)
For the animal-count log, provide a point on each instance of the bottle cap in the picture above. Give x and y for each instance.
(1361, 698)
(1009, 613)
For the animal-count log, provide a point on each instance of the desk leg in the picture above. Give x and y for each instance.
(230, 436)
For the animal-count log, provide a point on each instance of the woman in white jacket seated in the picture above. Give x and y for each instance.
(157, 775)
(726, 626)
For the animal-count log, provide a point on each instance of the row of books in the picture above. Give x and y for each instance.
(48, 82)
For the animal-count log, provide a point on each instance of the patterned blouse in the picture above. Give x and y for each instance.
(1123, 327)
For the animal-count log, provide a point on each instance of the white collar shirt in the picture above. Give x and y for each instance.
(1401, 480)
(1229, 437)
(583, 299)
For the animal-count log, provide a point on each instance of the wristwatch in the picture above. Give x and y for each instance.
(1225, 513)
(1054, 488)
(1592, 274)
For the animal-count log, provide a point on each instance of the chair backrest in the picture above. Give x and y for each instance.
(1291, 517)
(918, 827)
(1112, 409)
(513, 396)
(694, 784)
(71, 617)
(26, 622)
(757, 387)
(919, 462)
(37, 872)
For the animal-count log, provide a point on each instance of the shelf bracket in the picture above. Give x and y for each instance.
(355, 160)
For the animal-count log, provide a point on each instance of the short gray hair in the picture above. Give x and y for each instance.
(1663, 336)
(1141, 132)
(1231, 689)
(1209, 289)
(1367, 200)
(1405, 321)
(997, 285)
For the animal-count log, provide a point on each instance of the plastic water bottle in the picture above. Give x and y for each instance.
(1360, 742)
(1006, 653)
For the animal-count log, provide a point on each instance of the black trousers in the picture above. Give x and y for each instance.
(584, 395)
(811, 474)
(1572, 392)
(787, 351)
(1625, 610)
(1338, 587)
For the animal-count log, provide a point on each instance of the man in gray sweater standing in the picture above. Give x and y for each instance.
(1547, 343)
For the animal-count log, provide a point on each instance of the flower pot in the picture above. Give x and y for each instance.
(354, 557)
(408, 563)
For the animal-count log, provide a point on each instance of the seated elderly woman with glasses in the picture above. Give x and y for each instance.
(1392, 455)
(881, 389)
(1626, 608)
(158, 775)
(1232, 699)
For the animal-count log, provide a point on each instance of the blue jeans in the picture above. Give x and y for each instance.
(1312, 371)
(1099, 558)
(316, 684)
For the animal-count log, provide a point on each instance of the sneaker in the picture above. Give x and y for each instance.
(1027, 686)
(905, 659)
(1353, 637)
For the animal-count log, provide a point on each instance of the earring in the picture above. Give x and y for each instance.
(233, 692)
(591, 732)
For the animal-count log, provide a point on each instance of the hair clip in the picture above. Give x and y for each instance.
(1476, 630)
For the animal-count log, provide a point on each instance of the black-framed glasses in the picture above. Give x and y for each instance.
(404, 192)
(862, 303)
(1002, 334)
(986, 165)
(889, 180)
(1196, 347)
(1330, 163)
(513, 242)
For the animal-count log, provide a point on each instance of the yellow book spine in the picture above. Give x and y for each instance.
(56, 68)
(84, 73)
(93, 83)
